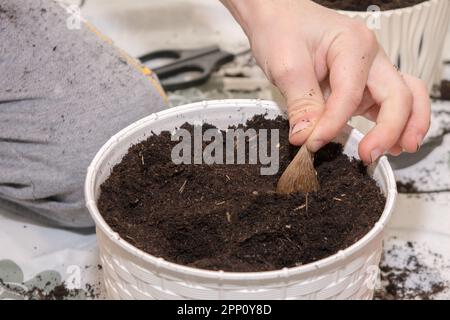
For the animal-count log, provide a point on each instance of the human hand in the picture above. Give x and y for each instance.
(329, 68)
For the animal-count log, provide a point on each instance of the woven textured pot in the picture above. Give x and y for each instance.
(130, 273)
(412, 37)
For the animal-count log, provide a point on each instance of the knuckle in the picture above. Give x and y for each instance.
(417, 84)
(355, 26)
(421, 84)
(370, 41)
(306, 109)
(368, 36)
(282, 72)
(304, 104)
(365, 36)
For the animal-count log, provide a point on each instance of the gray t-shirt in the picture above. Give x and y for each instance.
(63, 93)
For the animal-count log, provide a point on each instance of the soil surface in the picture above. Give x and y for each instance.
(228, 217)
(362, 5)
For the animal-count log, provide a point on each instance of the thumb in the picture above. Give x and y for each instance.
(304, 100)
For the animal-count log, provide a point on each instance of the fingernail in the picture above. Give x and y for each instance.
(375, 154)
(315, 145)
(302, 125)
(396, 153)
(419, 141)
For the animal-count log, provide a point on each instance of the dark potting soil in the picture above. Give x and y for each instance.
(7, 14)
(410, 187)
(407, 187)
(362, 5)
(228, 217)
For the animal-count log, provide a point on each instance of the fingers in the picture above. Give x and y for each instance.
(296, 78)
(396, 150)
(391, 93)
(419, 121)
(349, 64)
(361, 81)
(367, 108)
(370, 111)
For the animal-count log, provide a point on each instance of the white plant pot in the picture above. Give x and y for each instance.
(413, 37)
(130, 273)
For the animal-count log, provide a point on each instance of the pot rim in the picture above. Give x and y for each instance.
(160, 263)
(364, 14)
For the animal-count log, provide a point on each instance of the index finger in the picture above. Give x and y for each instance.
(349, 69)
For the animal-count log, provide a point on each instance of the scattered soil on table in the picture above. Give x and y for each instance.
(410, 187)
(7, 14)
(228, 217)
(406, 187)
(413, 281)
(362, 5)
(51, 292)
(396, 290)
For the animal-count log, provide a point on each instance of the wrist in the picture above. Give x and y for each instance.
(242, 10)
(253, 13)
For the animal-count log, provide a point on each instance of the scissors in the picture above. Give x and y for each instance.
(203, 62)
